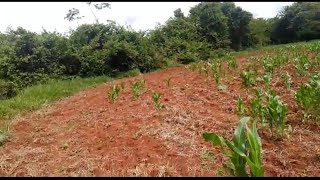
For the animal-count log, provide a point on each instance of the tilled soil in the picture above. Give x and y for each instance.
(87, 135)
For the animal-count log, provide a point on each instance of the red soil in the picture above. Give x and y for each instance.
(86, 135)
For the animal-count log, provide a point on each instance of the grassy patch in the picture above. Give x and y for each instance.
(32, 98)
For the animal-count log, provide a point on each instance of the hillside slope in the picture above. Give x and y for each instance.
(86, 135)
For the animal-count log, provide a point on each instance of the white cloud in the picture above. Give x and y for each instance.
(140, 15)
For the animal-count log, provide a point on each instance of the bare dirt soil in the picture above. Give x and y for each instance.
(87, 135)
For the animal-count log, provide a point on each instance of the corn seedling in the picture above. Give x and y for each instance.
(156, 99)
(268, 66)
(114, 93)
(168, 81)
(281, 60)
(205, 69)
(287, 80)
(302, 65)
(256, 107)
(232, 63)
(244, 150)
(248, 78)
(308, 97)
(216, 70)
(275, 113)
(137, 89)
(267, 78)
(241, 108)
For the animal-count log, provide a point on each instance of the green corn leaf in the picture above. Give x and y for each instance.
(239, 136)
(214, 138)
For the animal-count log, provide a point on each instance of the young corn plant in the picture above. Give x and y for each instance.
(245, 150)
(248, 78)
(308, 98)
(241, 108)
(206, 69)
(256, 107)
(281, 60)
(267, 78)
(114, 93)
(268, 66)
(156, 100)
(216, 70)
(287, 80)
(302, 65)
(276, 113)
(232, 63)
(137, 89)
(167, 81)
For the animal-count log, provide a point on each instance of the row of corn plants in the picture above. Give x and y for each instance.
(137, 88)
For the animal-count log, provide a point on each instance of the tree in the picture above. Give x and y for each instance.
(260, 30)
(211, 23)
(178, 13)
(238, 23)
(298, 22)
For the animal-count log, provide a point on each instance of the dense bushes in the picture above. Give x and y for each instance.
(212, 29)
(7, 89)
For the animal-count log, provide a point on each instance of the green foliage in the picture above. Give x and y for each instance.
(210, 31)
(34, 97)
(212, 23)
(267, 78)
(268, 65)
(138, 89)
(248, 78)
(297, 22)
(7, 90)
(256, 107)
(232, 62)
(287, 79)
(244, 150)
(302, 65)
(114, 93)
(276, 113)
(241, 108)
(260, 31)
(216, 70)
(156, 99)
(308, 97)
(238, 25)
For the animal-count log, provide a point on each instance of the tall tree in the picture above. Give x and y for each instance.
(300, 21)
(211, 23)
(178, 13)
(238, 23)
(260, 30)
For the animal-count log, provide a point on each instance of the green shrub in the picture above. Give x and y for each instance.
(7, 89)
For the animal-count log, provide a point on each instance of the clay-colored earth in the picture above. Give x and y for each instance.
(87, 135)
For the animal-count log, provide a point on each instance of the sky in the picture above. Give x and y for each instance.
(34, 16)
